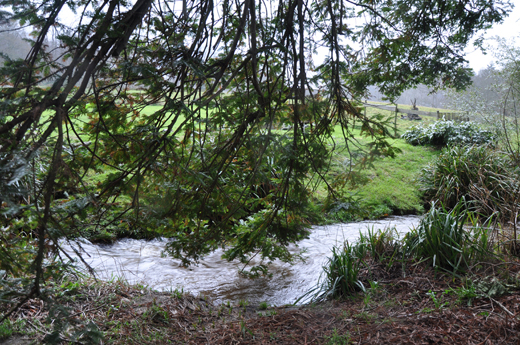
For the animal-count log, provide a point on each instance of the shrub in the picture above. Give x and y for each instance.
(443, 133)
(340, 277)
(342, 270)
(381, 245)
(442, 238)
(482, 176)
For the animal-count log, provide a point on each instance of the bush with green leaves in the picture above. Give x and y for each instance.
(483, 176)
(443, 133)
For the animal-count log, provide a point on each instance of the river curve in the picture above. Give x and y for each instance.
(140, 261)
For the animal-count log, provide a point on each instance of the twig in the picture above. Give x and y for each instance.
(31, 294)
(87, 311)
(502, 306)
(36, 327)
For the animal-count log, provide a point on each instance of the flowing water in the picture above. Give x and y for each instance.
(140, 261)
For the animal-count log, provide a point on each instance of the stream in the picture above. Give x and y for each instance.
(140, 261)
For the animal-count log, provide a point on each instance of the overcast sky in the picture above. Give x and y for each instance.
(510, 29)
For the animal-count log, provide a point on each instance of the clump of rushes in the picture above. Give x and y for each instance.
(263, 306)
(443, 238)
(340, 275)
(382, 245)
(481, 175)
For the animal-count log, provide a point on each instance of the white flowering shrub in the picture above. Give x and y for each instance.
(444, 133)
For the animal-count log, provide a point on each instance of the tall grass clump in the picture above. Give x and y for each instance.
(444, 239)
(443, 133)
(340, 277)
(381, 245)
(342, 270)
(479, 174)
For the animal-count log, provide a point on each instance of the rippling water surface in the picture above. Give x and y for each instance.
(140, 261)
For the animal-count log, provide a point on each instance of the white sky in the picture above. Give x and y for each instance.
(510, 29)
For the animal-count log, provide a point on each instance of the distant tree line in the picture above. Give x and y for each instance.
(483, 97)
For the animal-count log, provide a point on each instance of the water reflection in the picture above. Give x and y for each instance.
(140, 261)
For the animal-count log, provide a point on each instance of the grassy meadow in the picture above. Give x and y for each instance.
(387, 185)
(383, 187)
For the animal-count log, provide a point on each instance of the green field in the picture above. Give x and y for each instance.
(387, 186)
(383, 186)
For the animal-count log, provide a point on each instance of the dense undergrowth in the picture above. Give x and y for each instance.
(383, 288)
(487, 177)
(443, 240)
(472, 192)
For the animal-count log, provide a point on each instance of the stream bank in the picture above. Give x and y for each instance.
(412, 306)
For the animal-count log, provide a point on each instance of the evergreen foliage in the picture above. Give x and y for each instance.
(165, 116)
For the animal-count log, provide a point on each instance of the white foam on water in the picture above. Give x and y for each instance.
(140, 261)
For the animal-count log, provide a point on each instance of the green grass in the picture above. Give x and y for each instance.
(263, 306)
(6, 330)
(338, 339)
(388, 185)
(392, 182)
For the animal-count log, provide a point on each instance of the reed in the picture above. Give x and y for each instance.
(444, 239)
(381, 245)
(340, 274)
(451, 240)
(479, 174)
(340, 277)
